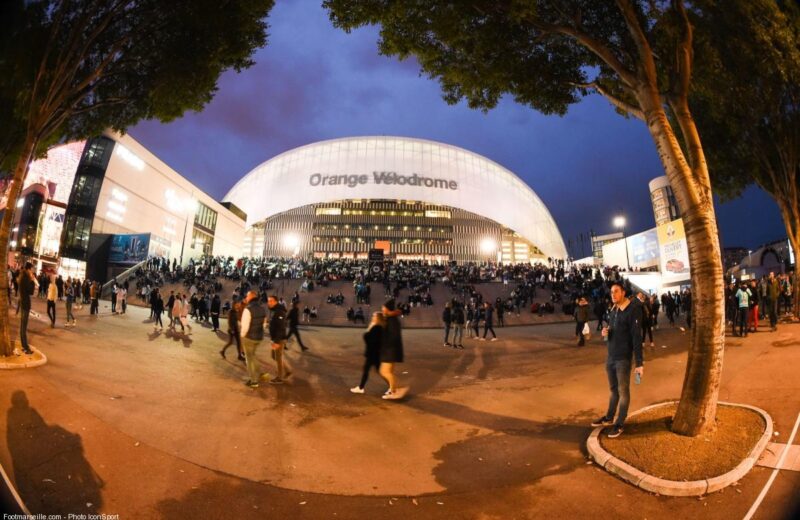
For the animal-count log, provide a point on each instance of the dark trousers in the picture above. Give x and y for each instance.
(233, 335)
(24, 314)
(113, 302)
(51, 311)
(579, 332)
(296, 333)
(447, 333)
(158, 319)
(619, 382)
(488, 327)
(368, 363)
(742, 316)
(647, 330)
(95, 306)
(772, 310)
(215, 320)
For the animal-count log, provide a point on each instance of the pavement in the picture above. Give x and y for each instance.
(147, 424)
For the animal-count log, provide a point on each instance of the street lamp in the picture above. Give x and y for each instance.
(619, 223)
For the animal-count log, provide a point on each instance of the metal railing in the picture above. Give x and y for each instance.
(105, 290)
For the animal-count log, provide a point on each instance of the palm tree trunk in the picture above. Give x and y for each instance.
(20, 170)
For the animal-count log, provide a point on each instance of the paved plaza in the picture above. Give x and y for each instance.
(145, 424)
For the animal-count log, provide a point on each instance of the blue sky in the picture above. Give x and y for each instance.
(313, 82)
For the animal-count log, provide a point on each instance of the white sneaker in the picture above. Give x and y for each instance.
(357, 390)
(390, 395)
(494, 339)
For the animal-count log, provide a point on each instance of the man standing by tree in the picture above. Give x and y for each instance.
(624, 333)
(27, 286)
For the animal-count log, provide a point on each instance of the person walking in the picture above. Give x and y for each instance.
(458, 325)
(655, 306)
(391, 347)
(69, 300)
(177, 310)
(27, 288)
(488, 321)
(294, 321)
(216, 304)
(624, 333)
(253, 317)
(743, 296)
(277, 335)
(52, 294)
(581, 315)
(122, 298)
(372, 350)
(447, 319)
(114, 291)
(647, 321)
(754, 301)
(470, 319)
(234, 334)
(158, 309)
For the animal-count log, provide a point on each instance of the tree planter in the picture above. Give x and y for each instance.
(23, 360)
(654, 484)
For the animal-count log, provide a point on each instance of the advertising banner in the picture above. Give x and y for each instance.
(643, 248)
(129, 249)
(674, 252)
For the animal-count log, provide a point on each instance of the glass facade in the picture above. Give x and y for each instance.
(82, 205)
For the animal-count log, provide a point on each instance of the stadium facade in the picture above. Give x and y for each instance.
(413, 198)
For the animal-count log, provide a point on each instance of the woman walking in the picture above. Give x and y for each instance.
(372, 350)
(391, 348)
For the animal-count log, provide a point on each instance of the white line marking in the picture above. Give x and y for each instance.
(763, 493)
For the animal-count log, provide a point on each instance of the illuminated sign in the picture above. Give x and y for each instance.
(387, 178)
(129, 157)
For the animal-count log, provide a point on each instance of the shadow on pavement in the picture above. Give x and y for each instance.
(51, 471)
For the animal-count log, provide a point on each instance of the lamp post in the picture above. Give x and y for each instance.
(189, 207)
(619, 223)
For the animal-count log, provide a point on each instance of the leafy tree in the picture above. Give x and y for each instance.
(72, 68)
(548, 54)
(747, 99)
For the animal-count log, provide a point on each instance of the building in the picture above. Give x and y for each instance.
(665, 208)
(598, 241)
(96, 207)
(413, 198)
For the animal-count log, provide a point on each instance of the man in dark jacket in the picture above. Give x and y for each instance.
(215, 308)
(624, 333)
(447, 319)
(27, 286)
(277, 334)
(488, 324)
(294, 321)
(581, 319)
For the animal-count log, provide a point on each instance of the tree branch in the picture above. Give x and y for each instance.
(626, 107)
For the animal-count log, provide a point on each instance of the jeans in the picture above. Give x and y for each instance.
(70, 317)
(368, 364)
(458, 334)
(743, 312)
(772, 308)
(579, 332)
(283, 367)
(619, 382)
(296, 333)
(24, 314)
(446, 333)
(51, 311)
(250, 346)
(488, 327)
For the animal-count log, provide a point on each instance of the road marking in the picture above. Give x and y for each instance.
(763, 493)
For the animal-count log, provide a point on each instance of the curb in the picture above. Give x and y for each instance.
(38, 359)
(677, 488)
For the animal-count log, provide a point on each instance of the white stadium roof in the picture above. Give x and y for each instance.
(400, 168)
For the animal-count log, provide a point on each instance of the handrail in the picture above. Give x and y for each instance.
(105, 290)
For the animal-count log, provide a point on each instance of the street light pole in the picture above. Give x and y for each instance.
(620, 222)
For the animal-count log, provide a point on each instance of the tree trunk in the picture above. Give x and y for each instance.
(692, 187)
(20, 171)
(794, 241)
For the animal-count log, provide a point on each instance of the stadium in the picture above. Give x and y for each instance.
(414, 199)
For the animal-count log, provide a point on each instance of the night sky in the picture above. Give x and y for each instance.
(313, 82)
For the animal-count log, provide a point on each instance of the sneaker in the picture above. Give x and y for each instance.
(481, 339)
(494, 339)
(652, 345)
(602, 421)
(460, 347)
(615, 432)
(276, 381)
(357, 390)
(389, 395)
(446, 344)
(222, 353)
(251, 384)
